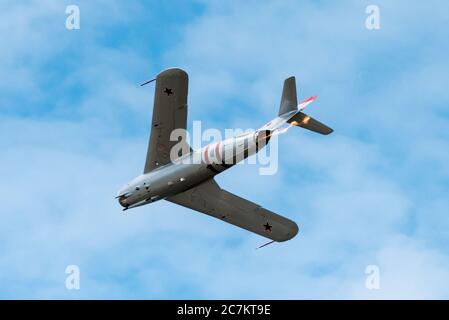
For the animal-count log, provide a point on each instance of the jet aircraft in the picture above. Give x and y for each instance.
(171, 172)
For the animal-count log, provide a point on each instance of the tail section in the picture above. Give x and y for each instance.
(289, 101)
(290, 112)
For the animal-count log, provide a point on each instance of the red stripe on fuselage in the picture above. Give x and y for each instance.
(217, 152)
(206, 155)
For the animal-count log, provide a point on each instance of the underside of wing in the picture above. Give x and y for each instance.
(169, 113)
(210, 199)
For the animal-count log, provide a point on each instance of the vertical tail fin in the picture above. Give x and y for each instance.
(289, 101)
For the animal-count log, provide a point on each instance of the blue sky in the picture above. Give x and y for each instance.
(75, 126)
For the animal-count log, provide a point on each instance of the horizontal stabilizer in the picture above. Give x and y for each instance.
(309, 123)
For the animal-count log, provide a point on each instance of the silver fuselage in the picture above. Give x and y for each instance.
(192, 169)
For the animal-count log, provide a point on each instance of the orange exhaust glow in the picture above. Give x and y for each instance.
(306, 120)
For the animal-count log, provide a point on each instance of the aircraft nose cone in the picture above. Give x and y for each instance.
(122, 201)
(122, 197)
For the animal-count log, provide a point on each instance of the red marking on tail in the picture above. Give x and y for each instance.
(309, 99)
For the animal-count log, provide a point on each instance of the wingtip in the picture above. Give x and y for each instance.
(173, 72)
